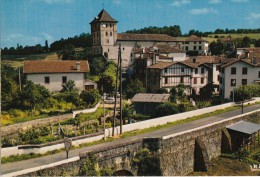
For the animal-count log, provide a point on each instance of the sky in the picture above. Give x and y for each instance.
(30, 22)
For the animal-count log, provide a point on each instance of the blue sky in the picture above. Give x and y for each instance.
(29, 22)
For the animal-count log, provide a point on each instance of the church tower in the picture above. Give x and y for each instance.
(104, 34)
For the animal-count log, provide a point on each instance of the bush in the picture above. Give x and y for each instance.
(165, 109)
(90, 98)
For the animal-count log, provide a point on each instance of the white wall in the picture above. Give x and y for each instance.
(55, 84)
(251, 76)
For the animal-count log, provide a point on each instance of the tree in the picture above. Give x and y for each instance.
(68, 52)
(133, 87)
(216, 48)
(246, 91)
(165, 109)
(97, 65)
(108, 78)
(208, 90)
(46, 46)
(257, 43)
(69, 86)
(90, 98)
(33, 96)
(246, 42)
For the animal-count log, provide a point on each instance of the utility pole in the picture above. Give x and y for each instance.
(242, 110)
(114, 117)
(20, 84)
(121, 116)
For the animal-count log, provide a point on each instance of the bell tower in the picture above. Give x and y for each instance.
(104, 33)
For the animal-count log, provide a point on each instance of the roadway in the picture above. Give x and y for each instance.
(25, 164)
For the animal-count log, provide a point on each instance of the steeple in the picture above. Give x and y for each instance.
(103, 16)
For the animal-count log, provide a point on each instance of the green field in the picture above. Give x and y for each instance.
(212, 38)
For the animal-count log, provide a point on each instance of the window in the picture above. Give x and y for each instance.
(186, 48)
(182, 70)
(233, 82)
(244, 70)
(195, 80)
(110, 24)
(202, 80)
(107, 40)
(200, 48)
(259, 74)
(166, 80)
(182, 79)
(47, 80)
(244, 81)
(123, 48)
(218, 77)
(200, 42)
(186, 42)
(217, 68)
(107, 50)
(106, 34)
(64, 79)
(195, 42)
(196, 70)
(165, 70)
(233, 70)
(194, 47)
(202, 70)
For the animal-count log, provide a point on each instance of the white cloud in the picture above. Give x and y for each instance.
(203, 11)
(47, 36)
(215, 1)
(253, 17)
(239, 1)
(179, 3)
(117, 1)
(57, 1)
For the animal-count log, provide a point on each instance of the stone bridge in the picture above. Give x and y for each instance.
(177, 154)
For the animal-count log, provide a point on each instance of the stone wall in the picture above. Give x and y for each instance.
(15, 128)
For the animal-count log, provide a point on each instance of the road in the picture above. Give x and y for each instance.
(21, 165)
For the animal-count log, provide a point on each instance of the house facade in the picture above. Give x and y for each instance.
(238, 72)
(53, 74)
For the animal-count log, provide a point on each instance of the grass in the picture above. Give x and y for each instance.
(124, 135)
(212, 38)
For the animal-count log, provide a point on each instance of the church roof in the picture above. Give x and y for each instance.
(103, 16)
(145, 37)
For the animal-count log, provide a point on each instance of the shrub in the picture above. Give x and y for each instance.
(165, 109)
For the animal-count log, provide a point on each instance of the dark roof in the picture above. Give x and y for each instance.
(145, 37)
(235, 60)
(150, 97)
(168, 49)
(161, 65)
(55, 66)
(245, 127)
(103, 16)
(194, 38)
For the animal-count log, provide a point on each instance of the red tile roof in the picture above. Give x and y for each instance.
(194, 38)
(55, 66)
(247, 61)
(168, 49)
(103, 16)
(145, 37)
(161, 65)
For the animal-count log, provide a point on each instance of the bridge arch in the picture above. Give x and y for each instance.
(123, 172)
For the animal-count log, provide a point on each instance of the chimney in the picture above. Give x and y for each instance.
(78, 66)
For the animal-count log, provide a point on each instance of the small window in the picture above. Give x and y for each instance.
(218, 77)
(233, 70)
(200, 48)
(107, 40)
(166, 80)
(194, 47)
(202, 71)
(200, 42)
(182, 79)
(165, 70)
(106, 34)
(186, 42)
(47, 80)
(64, 79)
(107, 50)
(244, 70)
(186, 48)
(233, 82)
(182, 70)
(196, 70)
(217, 68)
(202, 80)
(195, 42)
(195, 80)
(244, 81)
(123, 48)
(110, 33)
(110, 24)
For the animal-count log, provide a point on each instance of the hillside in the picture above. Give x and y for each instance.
(211, 37)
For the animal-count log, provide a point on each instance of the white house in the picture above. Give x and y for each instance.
(238, 72)
(197, 44)
(52, 74)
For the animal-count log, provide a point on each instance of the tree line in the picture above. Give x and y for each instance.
(83, 40)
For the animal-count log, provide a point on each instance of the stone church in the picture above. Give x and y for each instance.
(106, 40)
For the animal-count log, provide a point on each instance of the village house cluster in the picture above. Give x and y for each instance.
(158, 60)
